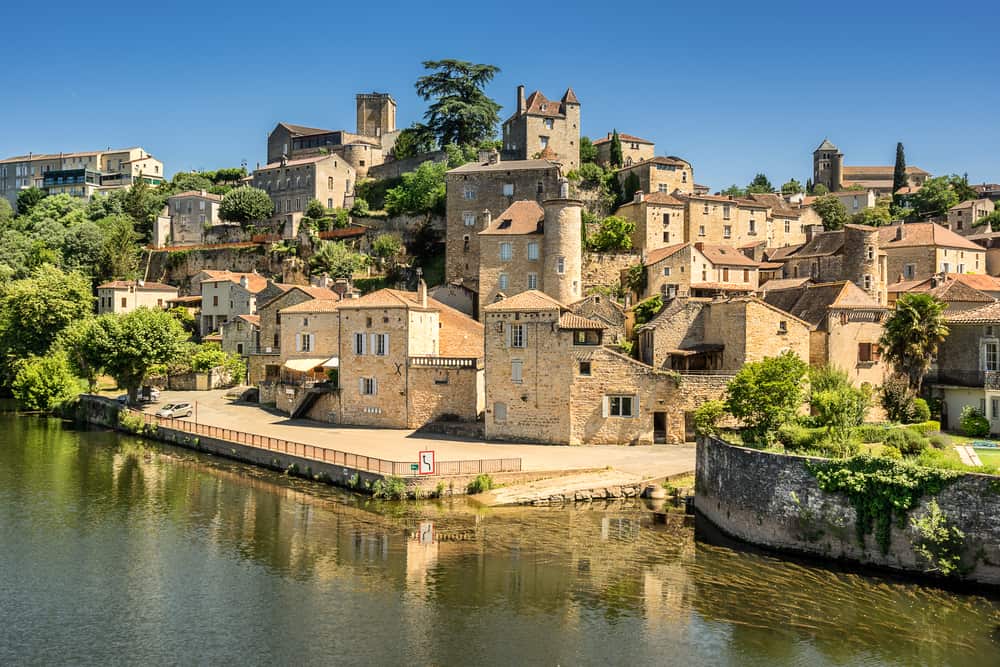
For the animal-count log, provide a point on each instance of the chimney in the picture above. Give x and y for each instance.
(699, 245)
(638, 197)
(203, 194)
(422, 292)
(487, 218)
(563, 188)
(244, 282)
(810, 231)
(341, 286)
(899, 232)
(520, 99)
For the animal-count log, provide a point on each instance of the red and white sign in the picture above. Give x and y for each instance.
(426, 462)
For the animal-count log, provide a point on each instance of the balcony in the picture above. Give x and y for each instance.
(445, 362)
(964, 377)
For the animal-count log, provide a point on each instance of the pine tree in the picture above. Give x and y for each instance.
(899, 172)
(616, 150)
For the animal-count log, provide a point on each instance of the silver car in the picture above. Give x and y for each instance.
(175, 410)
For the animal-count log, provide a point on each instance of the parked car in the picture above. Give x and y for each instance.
(123, 399)
(175, 410)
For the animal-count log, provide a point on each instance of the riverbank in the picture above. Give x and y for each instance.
(777, 501)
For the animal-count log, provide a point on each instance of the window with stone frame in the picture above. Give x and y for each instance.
(532, 281)
(533, 251)
(503, 282)
(585, 368)
(359, 343)
(516, 371)
(506, 251)
(991, 356)
(518, 336)
(620, 406)
(368, 386)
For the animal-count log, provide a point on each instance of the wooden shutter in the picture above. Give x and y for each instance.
(605, 409)
(298, 343)
(312, 342)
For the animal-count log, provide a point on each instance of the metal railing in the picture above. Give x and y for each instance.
(332, 456)
(445, 362)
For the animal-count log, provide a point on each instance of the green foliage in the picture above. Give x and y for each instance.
(336, 259)
(766, 394)
(459, 111)
(616, 159)
(185, 318)
(630, 186)
(974, 423)
(819, 190)
(648, 309)
(44, 383)
(870, 433)
(119, 248)
(315, 209)
(837, 405)
(131, 422)
(926, 427)
(387, 246)
(897, 398)
(934, 197)
(939, 441)
(614, 234)
(734, 191)
(211, 355)
(912, 335)
(879, 489)
(588, 152)
(908, 442)
(360, 208)
(921, 411)
(791, 187)
(390, 488)
(421, 191)
(460, 154)
(991, 219)
(481, 484)
(875, 216)
(84, 342)
(890, 452)
(373, 191)
(246, 205)
(795, 437)
(6, 212)
(938, 541)
(413, 141)
(591, 175)
(760, 185)
(832, 211)
(899, 179)
(28, 198)
(707, 418)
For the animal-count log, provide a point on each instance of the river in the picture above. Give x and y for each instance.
(116, 551)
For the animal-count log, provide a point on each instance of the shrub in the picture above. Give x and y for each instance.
(707, 417)
(796, 437)
(889, 452)
(870, 433)
(390, 488)
(925, 427)
(939, 542)
(897, 398)
(939, 441)
(921, 412)
(130, 421)
(909, 443)
(481, 484)
(973, 423)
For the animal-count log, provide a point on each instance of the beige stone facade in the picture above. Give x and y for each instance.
(190, 213)
(962, 216)
(541, 128)
(829, 170)
(659, 220)
(241, 334)
(667, 175)
(919, 250)
(291, 184)
(634, 149)
(699, 269)
(124, 296)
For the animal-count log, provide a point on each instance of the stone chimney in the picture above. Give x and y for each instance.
(638, 197)
(487, 218)
(341, 286)
(900, 232)
(244, 282)
(520, 99)
(699, 245)
(422, 292)
(811, 230)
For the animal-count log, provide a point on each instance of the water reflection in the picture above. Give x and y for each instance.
(114, 549)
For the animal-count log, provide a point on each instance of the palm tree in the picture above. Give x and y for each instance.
(912, 335)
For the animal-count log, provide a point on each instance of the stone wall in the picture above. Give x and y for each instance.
(772, 500)
(602, 269)
(397, 168)
(177, 267)
(433, 393)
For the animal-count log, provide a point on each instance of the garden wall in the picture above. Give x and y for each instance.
(602, 269)
(773, 500)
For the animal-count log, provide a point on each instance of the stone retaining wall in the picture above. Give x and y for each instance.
(603, 269)
(772, 500)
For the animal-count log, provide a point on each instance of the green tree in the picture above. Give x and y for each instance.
(991, 219)
(934, 198)
(460, 112)
(832, 211)
(912, 334)
(315, 209)
(246, 205)
(734, 191)
(766, 394)
(760, 185)
(35, 310)
(143, 205)
(899, 179)
(647, 309)
(119, 249)
(386, 246)
(707, 418)
(791, 187)
(412, 141)
(819, 190)
(588, 151)
(875, 216)
(136, 342)
(897, 399)
(28, 198)
(614, 234)
(6, 213)
(838, 405)
(960, 184)
(336, 259)
(44, 383)
(209, 356)
(421, 192)
(616, 160)
(630, 186)
(85, 343)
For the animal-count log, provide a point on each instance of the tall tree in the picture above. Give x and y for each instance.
(460, 112)
(616, 159)
(760, 185)
(733, 191)
(119, 248)
(26, 199)
(246, 205)
(588, 152)
(832, 211)
(412, 141)
(899, 171)
(766, 394)
(934, 198)
(630, 186)
(912, 335)
(422, 191)
(791, 187)
(136, 342)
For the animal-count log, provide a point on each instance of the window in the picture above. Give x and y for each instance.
(725, 212)
(125, 301)
(215, 300)
(945, 267)
(359, 343)
(982, 406)
(960, 268)
(991, 359)
(586, 338)
(666, 271)
(725, 274)
(746, 275)
(516, 370)
(506, 252)
(909, 271)
(508, 189)
(380, 344)
(548, 123)
(543, 142)
(788, 227)
(532, 281)
(866, 282)
(469, 192)
(329, 183)
(752, 227)
(727, 231)
(329, 202)
(666, 237)
(585, 368)
(499, 413)
(469, 218)
(666, 219)
(783, 326)
(662, 187)
(865, 353)
(518, 336)
(539, 187)
(368, 386)
(305, 343)
(503, 283)
(701, 230)
(870, 252)
(995, 408)
(560, 265)
(620, 406)
(533, 250)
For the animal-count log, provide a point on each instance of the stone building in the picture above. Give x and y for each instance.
(532, 247)
(829, 170)
(478, 191)
(376, 115)
(659, 220)
(389, 359)
(698, 269)
(292, 184)
(918, 250)
(124, 296)
(962, 216)
(845, 325)
(698, 334)
(668, 175)
(188, 215)
(958, 291)
(967, 370)
(634, 149)
(541, 128)
(225, 294)
(550, 379)
(605, 310)
(241, 335)
(265, 362)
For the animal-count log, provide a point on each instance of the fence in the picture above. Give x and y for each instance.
(332, 456)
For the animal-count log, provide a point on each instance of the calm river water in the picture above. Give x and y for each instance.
(117, 552)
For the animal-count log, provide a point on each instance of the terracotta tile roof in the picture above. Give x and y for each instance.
(725, 287)
(623, 137)
(778, 254)
(255, 282)
(186, 300)
(751, 203)
(297, 162)
(538, 105)
(532, 301)
(343, 233)
(253, 320)
(504, 165)
(460, 335)
(879, 170)
(954, 287)
(573, 321)
(726, 256)
(923, 234)
(302, 130)
(783, 283)
(776, 203)
(660, 254)
(909, 286)
(521, 217)
(662, 198)
(968, 203)
(952, 291)
(822, 244)
(988, 314)
(769, 266)
(569, 97)
(138, 285)
(314, 306)
(812, 302)
(196, 193)
(676, 161)
(907, 190)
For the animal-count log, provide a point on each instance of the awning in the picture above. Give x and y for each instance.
(332, 362)
(303, 365)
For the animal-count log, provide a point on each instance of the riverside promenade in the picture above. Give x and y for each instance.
(643, 462)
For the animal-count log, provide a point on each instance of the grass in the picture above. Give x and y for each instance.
(989, 457)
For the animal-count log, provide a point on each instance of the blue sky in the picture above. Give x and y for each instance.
(734, 88)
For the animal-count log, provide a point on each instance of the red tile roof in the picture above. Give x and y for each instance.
(521, 217)
(623, 137)
(138, 285)
(923, 234)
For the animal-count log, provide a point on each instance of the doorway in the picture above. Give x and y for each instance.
(659, 428)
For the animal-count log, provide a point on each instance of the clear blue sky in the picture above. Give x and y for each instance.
(734, 88)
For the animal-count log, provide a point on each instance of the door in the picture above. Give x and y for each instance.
(689, 434)
(659, 427)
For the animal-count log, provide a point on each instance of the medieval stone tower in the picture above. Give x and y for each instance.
(864, 263)
(376, 114)
(562, 268)
(828, 166)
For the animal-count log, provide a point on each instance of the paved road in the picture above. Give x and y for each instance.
(402, 445)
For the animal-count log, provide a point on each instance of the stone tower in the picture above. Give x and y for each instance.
(828, 166)
(562, 268)
(862, 264)
(376, 114)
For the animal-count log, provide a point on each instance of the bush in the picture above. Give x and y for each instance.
(390, 488)
(890, 452)
(481, 484)
(707, 417)
(909, 443)
(797, 437)
(921, 412)
(870, 433)
(939, 441)
(897, 399)
(926, 427)
(130, 421)
(44, 383)
(973, 423)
